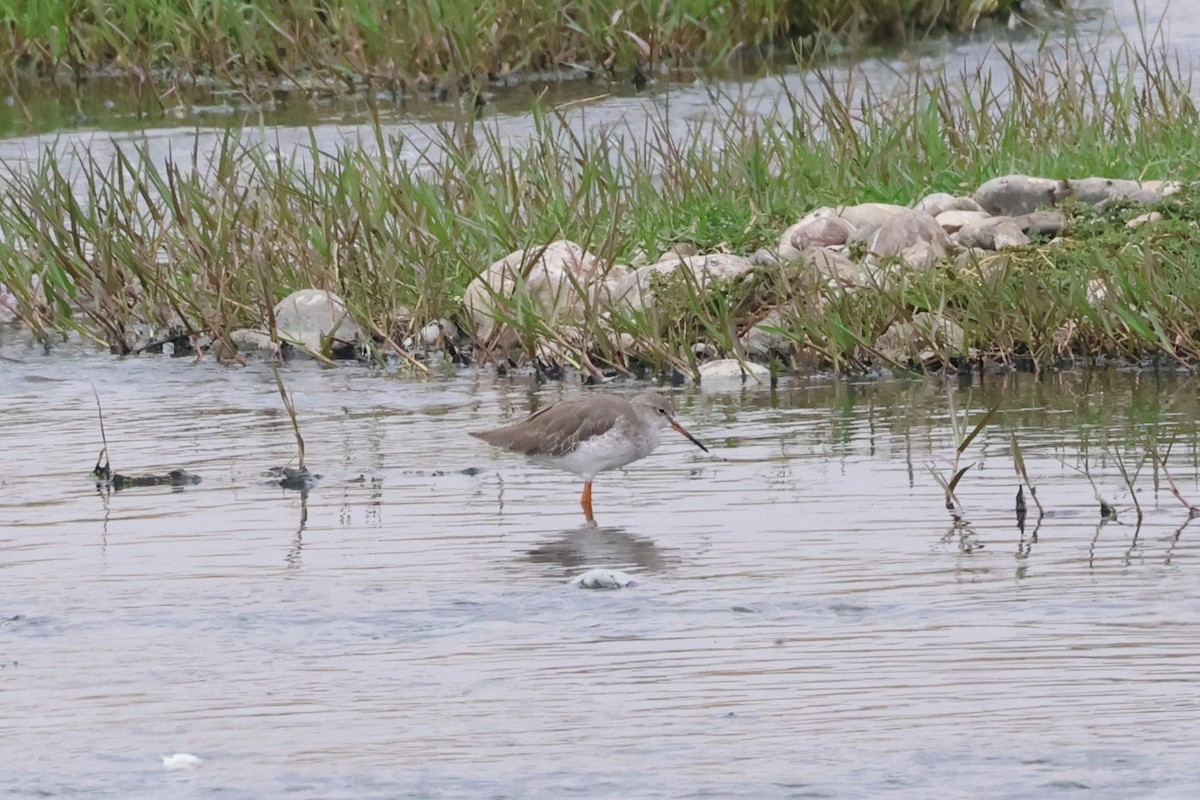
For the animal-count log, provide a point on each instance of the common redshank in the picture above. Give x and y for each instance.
(591, 434)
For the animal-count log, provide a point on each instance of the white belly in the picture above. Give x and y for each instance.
(610, 450)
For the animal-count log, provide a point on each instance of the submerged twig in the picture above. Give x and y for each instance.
(291, 409)
(103, 473)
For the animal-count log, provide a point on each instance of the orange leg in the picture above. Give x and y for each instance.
(586, 501)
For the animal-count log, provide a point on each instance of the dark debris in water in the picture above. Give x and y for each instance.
(107, 478)
(290, 478)
(441, 473)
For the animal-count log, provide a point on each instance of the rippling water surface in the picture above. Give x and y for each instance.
(808, 621)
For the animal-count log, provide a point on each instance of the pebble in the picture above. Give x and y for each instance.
(181, 761)
(603, 578)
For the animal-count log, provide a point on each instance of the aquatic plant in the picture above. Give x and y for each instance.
(1160, 465)
(962, 440)
(1023, 474)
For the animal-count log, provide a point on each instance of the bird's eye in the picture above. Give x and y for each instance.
(662, 411)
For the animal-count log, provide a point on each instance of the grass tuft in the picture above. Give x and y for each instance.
(133, 253)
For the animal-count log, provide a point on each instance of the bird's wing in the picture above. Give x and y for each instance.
(558, 429)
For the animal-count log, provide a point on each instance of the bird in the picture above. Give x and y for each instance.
(590, 434)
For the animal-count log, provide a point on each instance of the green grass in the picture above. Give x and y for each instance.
(439, 43)
(210, 242)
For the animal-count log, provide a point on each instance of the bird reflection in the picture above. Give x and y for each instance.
(593, 545)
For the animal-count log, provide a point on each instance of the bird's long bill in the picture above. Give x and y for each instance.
(691, 438)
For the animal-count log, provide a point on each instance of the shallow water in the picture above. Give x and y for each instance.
(808, 620)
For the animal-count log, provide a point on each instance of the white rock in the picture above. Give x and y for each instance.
(315, 320)
(935, 204)
(1036, 11)
(603, 578)
(434, 334)
(922, 339)
(1164, 188)
(969, 257)
(431, 334)
(939, 203)
(762, 257)
(764, 337)
(866, 214)
(1005, 236)
(993, 233)
(727, 373)
(244, 341)
(817, 213)
(785, 250)
(920, 255)
(181, 761)
(8, 301)
(633, 290)
(1012, 195)
(836, 267)
(822, 232)
(952, 220)
(1098, 190)
(1142, 219)
(679, 250)
(547, 275)
(1041, 223)
(900, 230)
(249, 341)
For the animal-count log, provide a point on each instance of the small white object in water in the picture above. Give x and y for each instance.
(600, 578)
(182, 761)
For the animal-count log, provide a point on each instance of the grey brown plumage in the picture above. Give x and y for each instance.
(558, 429)
(591, 434)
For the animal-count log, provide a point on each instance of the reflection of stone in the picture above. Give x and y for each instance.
(587, 546)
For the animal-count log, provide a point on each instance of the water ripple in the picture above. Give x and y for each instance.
(807, 620)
